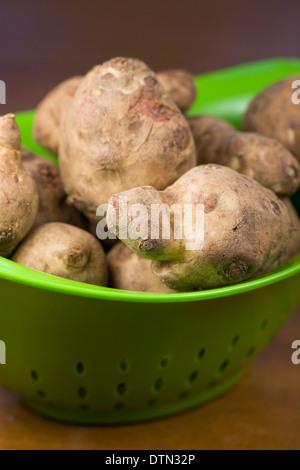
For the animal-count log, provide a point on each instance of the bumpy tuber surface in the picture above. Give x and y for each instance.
(65, 251)
(52, 197)
(246, 229)
(294, 245)
(256, 156)
(18, 192)
(49, 113)
(121, 130)
(128, 271)
(180, 86)
(273, 114)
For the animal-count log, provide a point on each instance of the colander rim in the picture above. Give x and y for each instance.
(11, 271)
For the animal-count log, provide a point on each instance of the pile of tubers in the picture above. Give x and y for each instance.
(121, 134)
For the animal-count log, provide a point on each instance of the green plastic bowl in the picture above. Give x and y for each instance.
(87, 354)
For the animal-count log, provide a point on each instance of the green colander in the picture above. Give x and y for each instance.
(87, 354)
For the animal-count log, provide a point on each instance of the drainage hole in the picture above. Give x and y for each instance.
(251, 352)
(80, 368)
(35, 376)
(213, 384)
(119, 406)
(122, 389)
(193, 377)
(123, 366)
(152, 402)
(235, 341)
(224, 366)
(164, 362)
(264, 325)
(42, 394)
(84, 407)
(201, 354)
(183, 395)
(159, 385)
(82, 392)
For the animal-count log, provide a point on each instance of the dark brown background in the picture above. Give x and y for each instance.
(43, 42)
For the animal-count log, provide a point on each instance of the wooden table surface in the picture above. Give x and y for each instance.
(261, 413)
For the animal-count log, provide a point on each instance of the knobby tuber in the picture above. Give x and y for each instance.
(65, 251)
(18, 192)
(256, 156)
(181, 87)
(121, 130)
(274, 114)
(128, 271)
(246, 229)
(49, 113)
(53, 205)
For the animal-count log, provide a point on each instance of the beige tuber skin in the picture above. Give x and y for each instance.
(121, 130)
(178, 83)
(18, 192)
(256, 156)
(180, 86)
(246, 229)
(128, 271)
(52, 197)
(294, 245)
(65, 251)
(273, 114)
(49, 112)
